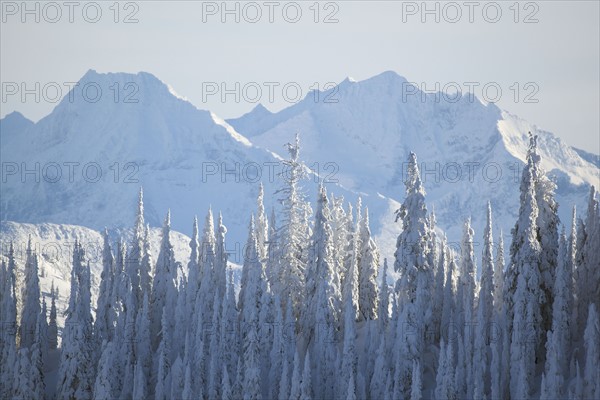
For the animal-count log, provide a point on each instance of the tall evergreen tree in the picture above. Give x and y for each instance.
(481, 354)
(143, 347)
(133, 265)
(76, 372)
(220, 259)
(104, 387)
(22, 388)
(559, 339)
(416, 277)
(37, 356)
(524, 293)
(320, 271)
(8, 306)
(31, 298)
(306, 392)
(368, 270)
(262, 225)
(164, 283)
(592, 354)
(105, 314)
(547, 234)
(52, 326)
(293, 232)
(193, 278)
(163, 374)
(466, 305)
(384, 299)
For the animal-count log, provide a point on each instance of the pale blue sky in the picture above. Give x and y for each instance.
(559, 53)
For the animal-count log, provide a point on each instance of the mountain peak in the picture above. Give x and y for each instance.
(260, 109)
(15, 116)
(388, 76)
(111, 90)
(93, 75)
(14, 122)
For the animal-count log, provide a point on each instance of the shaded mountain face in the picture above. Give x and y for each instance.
(469, 152)
(84, 163)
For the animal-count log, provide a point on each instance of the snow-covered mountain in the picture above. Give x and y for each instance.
(469, 152)
(141, 133)
(89, 159)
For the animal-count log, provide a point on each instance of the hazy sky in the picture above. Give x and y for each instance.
(544, 51)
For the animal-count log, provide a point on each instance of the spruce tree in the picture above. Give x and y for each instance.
(31, 298)
(368, 270)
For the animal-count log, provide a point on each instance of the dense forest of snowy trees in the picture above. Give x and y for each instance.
(310, 320)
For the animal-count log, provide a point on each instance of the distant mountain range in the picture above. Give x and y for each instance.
(188, 159)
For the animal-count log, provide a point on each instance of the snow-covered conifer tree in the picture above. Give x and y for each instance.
(367, 272)
(384, 299)
(416, 388)
(105, 315)
(31, 298)
(220, 262)
(133, 264)
(320, 271)
(37, 356)
(262, 225)
(22, 384)
(523, 289)
(105, 385)
(466, 302)
(8, 306)
(559, 339)
(349, 356)
(293, 233)
(485, 310)
(139, 382)
(177, 379)
(76, 372)
(306, 392)
(447, 323)
(416, 278)
(163, 284)
(592, 354)
(193, 277)
(162, 390)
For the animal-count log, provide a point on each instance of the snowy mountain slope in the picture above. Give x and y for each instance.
(253, 121)
(54, 245)
(138, 133)
(469, 152)
(593, 158)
